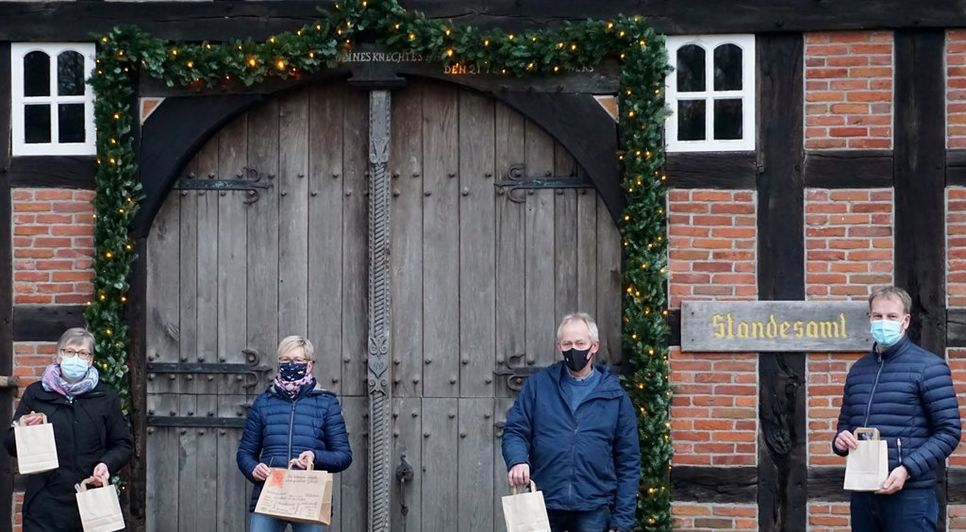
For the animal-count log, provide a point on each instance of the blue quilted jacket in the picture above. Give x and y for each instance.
(580, 461)
(907, 393)
(279, 428)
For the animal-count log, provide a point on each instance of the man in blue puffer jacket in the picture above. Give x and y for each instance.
(573, 430)
(907, 393)
(295, 419)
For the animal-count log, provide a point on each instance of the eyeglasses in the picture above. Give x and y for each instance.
(71, 353)
(286, 360)
(579, 344)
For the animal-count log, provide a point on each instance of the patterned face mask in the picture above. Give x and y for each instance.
(292, 371)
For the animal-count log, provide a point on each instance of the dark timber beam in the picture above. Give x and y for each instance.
(53, 171)
(920, 180)
(6, 282)
(736, 170)
(195, 21)
(782, 459)
(45, 323)
(849, 169)
(719, 485)
(174, 132)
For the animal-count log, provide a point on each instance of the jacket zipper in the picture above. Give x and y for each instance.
(899, 449)
(868, 408)
(291, 426)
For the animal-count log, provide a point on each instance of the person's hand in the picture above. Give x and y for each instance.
(519, 475)
(33, 418)
(895, 482)
(306, 459)
(845, 440)
(101, 474)
(260, 473)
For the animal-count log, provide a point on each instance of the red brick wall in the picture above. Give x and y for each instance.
(848, 90)
(848, 241)
(712, 245)
(826, 378)
(30, 359)
(828, 517)
(956, 89)
(957, 363)
(694, 517)
(956, 517)
(956, 247)
(52, 246)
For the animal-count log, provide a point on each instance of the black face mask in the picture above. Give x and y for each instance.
(292, 371)
(576, 359)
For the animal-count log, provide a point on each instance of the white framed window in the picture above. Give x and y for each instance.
(711, 93)
(53, 106)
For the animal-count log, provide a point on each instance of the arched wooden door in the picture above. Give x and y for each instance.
(480, 275)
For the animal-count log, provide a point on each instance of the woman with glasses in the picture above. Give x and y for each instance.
(92, 436)
(295, 419)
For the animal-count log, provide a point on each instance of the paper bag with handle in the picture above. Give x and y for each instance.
(99, 508)
(867, 466)
(303, 496)
(36, 448)
(525, 512)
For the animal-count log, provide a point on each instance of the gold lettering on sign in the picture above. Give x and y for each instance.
(725, 326)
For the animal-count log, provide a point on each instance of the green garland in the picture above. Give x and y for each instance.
(125, 52)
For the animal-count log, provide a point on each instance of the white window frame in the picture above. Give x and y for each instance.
(20, 147)
(746, 94)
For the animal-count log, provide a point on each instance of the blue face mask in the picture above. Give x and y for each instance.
(886, 332)
(73, 368)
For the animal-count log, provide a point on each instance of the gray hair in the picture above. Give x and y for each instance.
(291, 343)
(581, 317)
(76, 335)
(892, 292)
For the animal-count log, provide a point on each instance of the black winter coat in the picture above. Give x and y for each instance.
(89, 430)
(907, 393)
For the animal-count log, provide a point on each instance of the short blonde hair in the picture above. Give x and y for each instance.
(76, 335)
(581, 317)
(291, 343)
(892, 292)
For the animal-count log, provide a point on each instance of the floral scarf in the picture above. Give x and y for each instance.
(53, 381)
(292, 388)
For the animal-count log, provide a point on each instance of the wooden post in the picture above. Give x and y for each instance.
(6, 284)
(380, 322)
(782, 439)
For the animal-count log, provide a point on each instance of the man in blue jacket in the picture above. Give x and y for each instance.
(574, 432)
(907, 393)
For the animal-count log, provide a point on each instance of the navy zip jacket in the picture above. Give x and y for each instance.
(279, 428)
(907, 393)
(580, 461)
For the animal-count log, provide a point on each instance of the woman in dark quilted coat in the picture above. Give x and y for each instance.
(907, 393)
(294, 419)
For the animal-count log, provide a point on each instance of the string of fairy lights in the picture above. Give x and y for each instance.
(125, 53)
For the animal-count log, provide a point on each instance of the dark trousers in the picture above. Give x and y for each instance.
(908, 510)
(590, 521)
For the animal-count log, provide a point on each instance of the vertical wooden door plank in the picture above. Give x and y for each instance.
(475, 465)
(162, 466)
(232, 246)
(190, 503)
(477, 275)
(163, 270)
(264, 310)
(541, 322)
(440, 464)
(407, 241)
(568, 255)
(510, 245)
(608, 286)
(354, 480)
(355, 246)
(501, 485)
(587, 243)
(324, 229)
(407, 439)
(231, 504)
(207, 465)
(206, 346)
(293, 216)
(441, 242)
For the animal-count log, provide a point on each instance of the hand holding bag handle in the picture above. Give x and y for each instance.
(81, 486)
(296, 461)
(871, 431)
(533, 488)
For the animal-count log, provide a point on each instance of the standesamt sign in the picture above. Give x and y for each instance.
(723, 326)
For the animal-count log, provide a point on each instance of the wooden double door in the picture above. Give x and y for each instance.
(266, 236)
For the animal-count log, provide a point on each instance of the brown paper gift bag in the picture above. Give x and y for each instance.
(36, 448)
(304, 496)
(525, 512)
(100, 509)
(867, 466)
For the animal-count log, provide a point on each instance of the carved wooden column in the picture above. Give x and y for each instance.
(380, 384)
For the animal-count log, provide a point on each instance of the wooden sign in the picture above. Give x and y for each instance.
(727, 326)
